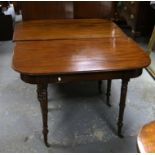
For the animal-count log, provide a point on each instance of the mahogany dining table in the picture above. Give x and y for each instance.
(58, 51)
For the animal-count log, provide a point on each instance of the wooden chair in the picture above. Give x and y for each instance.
(146, 138)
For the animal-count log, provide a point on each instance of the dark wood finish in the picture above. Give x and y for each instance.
(78, 56)
(74, 50)
(43, 99)
(61, 78)
(146, 138)
(108, 92)
(64, 9)
(122, 105)
(138, 15)
(66, 29)
(34, 10)
(93, 9)
(41, 80)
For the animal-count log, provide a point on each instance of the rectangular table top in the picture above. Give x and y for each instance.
(78, 56)
(66, 29)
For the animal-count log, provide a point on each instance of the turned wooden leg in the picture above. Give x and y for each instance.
(122, 106)
(43, 99)
(108, 92)
(100, 86)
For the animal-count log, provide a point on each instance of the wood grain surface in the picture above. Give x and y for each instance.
(75, 49)
(93, 9)
(146, 138)
(34, 10)
(76, 56)
(66, 29)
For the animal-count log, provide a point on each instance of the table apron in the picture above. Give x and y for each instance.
(62, 78)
